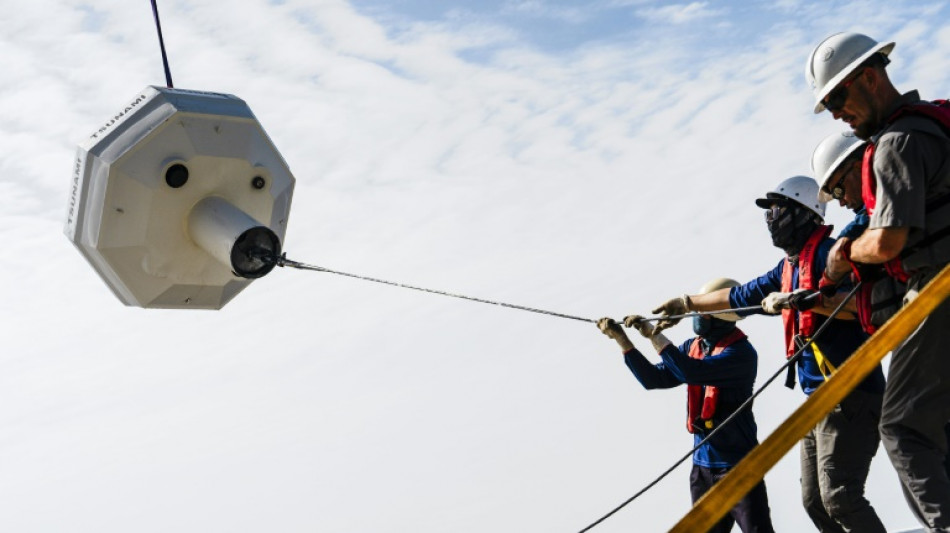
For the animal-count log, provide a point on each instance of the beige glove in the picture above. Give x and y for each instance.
(775, 302)
(613, 330)
(647, 330)
(675, 306)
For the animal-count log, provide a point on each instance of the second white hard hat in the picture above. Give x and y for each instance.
(830, 153)
(835, 58)
(801, 189)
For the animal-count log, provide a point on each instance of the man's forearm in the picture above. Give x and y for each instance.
(712, 301)
(828, 305)
(878, 245)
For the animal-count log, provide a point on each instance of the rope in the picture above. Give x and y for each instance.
(793, 359)
(161, 44)
(284, 262)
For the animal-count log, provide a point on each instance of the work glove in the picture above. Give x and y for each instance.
(612, 329)
(804, 299)
(649, 331)
(675, 306)
(775, 302)
(638, 323)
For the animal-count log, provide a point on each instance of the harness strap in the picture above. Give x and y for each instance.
(862, 302)
(824, 365)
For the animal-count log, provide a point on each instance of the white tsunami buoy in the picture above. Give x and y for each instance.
(179, 200)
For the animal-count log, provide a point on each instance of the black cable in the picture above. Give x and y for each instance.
(284, 262)
(794, 358)
(161, 44)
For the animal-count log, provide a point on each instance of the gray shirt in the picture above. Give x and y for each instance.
(911, 166)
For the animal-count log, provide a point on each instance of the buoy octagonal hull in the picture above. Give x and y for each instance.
(138, 178)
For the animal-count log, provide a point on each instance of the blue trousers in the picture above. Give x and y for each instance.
(751, 513)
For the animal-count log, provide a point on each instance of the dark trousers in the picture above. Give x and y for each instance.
(914, 420)
(835, 459)
(752, 511)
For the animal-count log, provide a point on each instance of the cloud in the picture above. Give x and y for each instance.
(680, 13)
(543, 9)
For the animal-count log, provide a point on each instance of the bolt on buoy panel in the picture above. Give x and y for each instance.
(160, 204)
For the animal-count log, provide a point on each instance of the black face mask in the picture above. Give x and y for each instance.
(702, 325)
(711, 329)
(790, 226)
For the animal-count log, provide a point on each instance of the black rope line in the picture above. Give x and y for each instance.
(161, 44)
(284, 262)
(784, 368)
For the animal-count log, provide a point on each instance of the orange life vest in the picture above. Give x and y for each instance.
(701, 399)
(805, 325)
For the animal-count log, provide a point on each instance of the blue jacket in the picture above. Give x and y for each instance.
(733, 371)
(839, 340)
(856, 227)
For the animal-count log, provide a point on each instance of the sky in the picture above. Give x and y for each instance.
(588, 158)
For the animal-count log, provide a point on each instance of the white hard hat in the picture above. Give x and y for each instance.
(830, 153)
(715, 285)
(801, 189)
(835, 58)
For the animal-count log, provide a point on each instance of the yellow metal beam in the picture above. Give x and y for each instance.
(744, 476)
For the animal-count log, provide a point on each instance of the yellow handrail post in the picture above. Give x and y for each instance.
(724, 495)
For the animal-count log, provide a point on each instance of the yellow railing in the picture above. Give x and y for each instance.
(744, 476)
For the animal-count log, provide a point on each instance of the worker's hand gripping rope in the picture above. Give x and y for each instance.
(648, 331)
(799, 300)
(672, 308)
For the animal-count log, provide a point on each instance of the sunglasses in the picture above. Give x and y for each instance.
(774, 211)
(837, 98)
(837, 192)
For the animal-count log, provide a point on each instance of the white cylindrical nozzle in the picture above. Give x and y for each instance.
(233, 237)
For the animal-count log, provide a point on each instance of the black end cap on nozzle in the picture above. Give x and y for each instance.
(255, 253)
